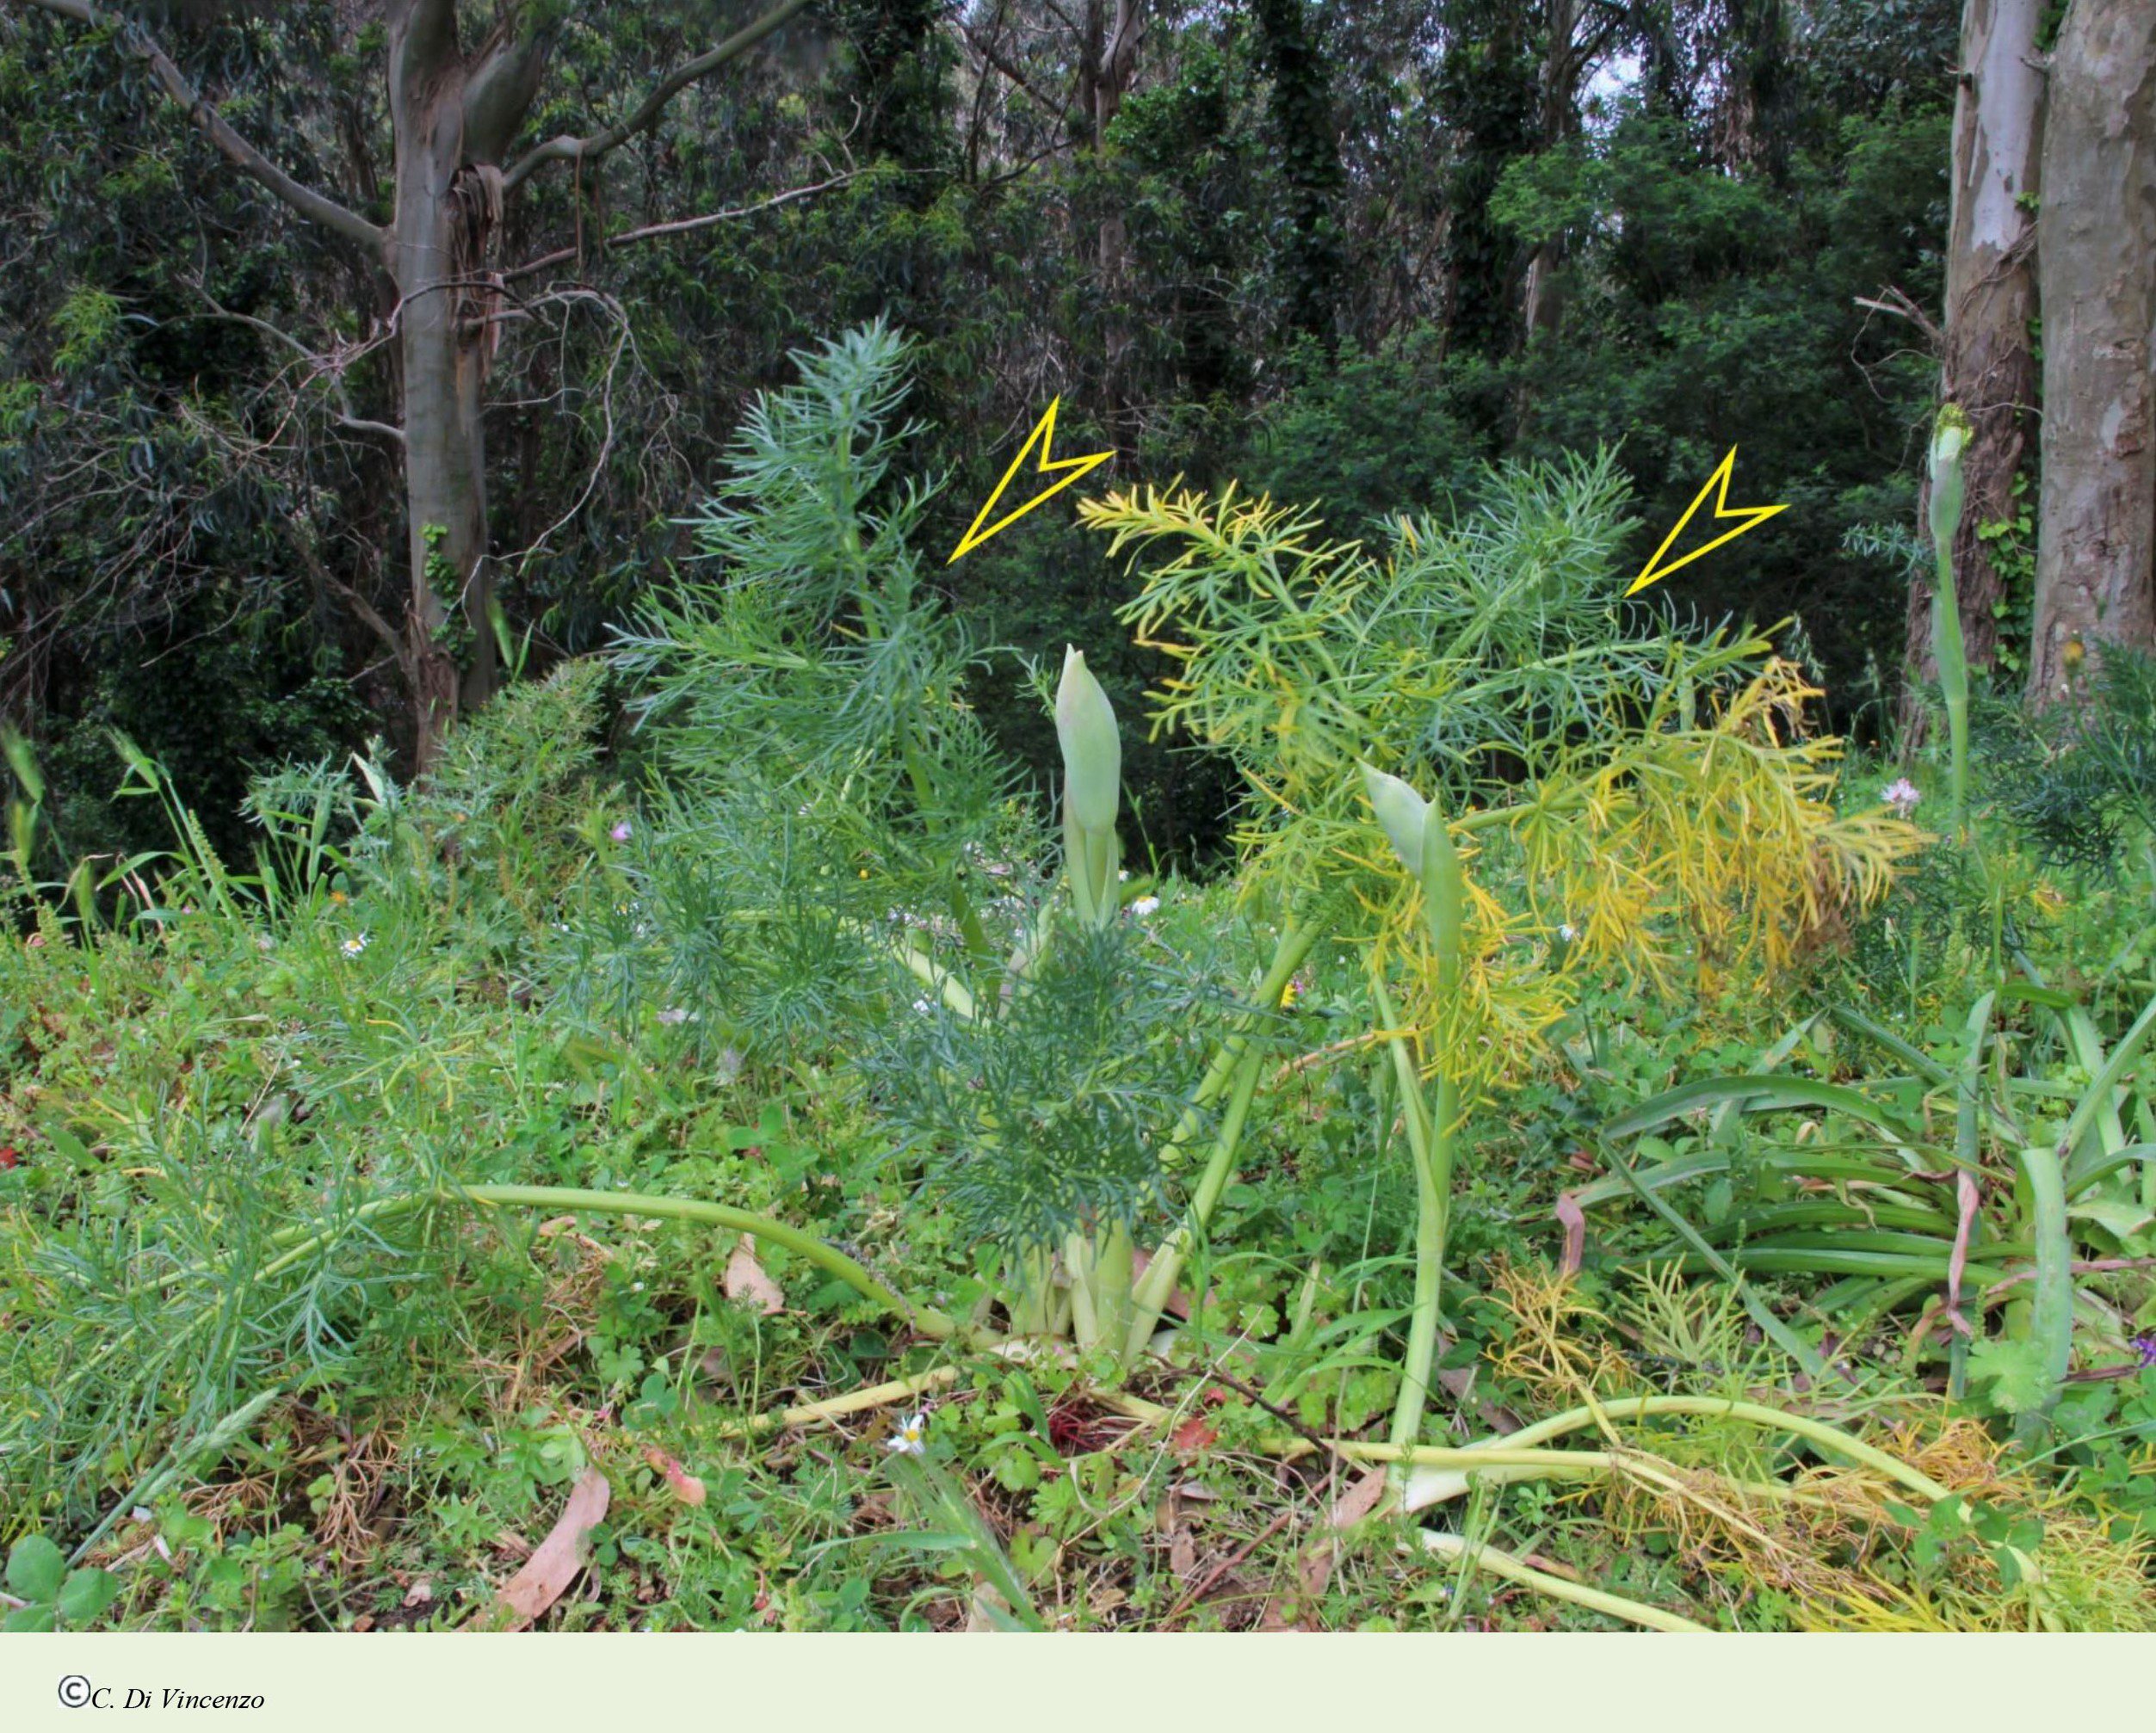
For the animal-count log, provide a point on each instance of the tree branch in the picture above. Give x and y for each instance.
(315, 207)
(683, 226)
(324, 368)
(599, 144)
(999, 62)
(501, 91)
(365, 611)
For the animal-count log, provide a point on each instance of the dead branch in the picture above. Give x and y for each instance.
(567, 146)
(682, 225)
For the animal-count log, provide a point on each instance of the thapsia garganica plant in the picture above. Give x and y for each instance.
(1643, 785)
(1639, 785)
(820, 763)
(1654, 792)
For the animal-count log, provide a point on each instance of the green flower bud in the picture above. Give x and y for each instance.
(1948, 437)
(1093, 751)
(1402, 812)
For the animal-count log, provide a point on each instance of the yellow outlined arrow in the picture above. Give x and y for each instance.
(1753, 515)
(1043, 435)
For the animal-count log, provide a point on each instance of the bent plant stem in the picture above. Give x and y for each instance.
(1237, 1064)
(1481, 1556)
(1430, 1141)
(925, 1320)
(1817, 1433)
(1149, 1300)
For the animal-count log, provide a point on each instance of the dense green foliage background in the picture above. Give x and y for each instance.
(1326, 217)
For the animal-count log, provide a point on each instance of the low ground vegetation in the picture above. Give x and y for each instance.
(1599, 1158)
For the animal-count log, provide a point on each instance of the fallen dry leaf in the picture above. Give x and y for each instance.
(745, 1280)
(1183, 1547)
(687, 1486)
(1358, 1501)
(557, 1560)
(1316, 1569)
(1195, 1435)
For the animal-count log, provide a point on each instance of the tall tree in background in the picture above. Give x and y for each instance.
(1108, 62)
(2095, 582)
(1489, 91)
(1309, 143)
(1578, 35)
(459, 101)
(1988, 365)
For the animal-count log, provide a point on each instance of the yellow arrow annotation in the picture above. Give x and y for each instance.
(1753, 515)
(1043, 436)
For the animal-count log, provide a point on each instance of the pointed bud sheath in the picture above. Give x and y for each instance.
(1092, 789)
(1947, 438)
(1092, 752)
(1422, 839)
(1402, 813)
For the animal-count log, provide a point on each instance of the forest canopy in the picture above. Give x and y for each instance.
(1347, 255)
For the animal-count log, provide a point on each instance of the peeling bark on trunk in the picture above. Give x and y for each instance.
(1988, 368)
(454, 117)
(2096, 567)
(433, 260)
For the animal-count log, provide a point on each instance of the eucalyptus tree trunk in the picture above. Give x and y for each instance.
(455, 112)
(1988, 366)
(2096, 563)
(1541, 307)
(1109, 52)
(435, 251)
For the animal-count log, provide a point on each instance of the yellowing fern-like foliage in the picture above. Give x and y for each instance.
(1727, 827)
(1653, 796)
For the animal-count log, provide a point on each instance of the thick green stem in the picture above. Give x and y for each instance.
(1487, 1557)
(926, 1320)
(1948, 649)
(1430, 1140)
(1237, 1061)
(1031, 1301)
(1115, 1258)
(1078, 1264)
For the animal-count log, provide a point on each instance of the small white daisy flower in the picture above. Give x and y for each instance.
(911, 1438)
(1145, 906)
(353, 945)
